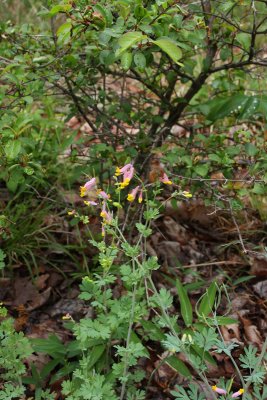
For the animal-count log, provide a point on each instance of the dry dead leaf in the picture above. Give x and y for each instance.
(231, 333)
(261, 289)
(251, 332)
(40, 281)
(164, 373)
(175, 231)
(259, 266)
(26, 294)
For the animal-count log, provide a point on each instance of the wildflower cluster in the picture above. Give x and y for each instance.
(103, 199)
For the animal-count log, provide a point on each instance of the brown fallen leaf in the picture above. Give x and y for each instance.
(164, 373)
(261, 289)
(259, 266)
(27, 294)
(40, 281)
(251, 332)
(231, 333)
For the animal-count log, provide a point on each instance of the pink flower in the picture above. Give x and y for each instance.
(132, 195)
(238, 393)
(87, 186)
(90, 203)
(165, 179)
(124, 169)
(104, 195)
(90, 184)
(128, 173)
(106, 215)
(218, 390)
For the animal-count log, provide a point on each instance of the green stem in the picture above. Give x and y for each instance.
(127, 343)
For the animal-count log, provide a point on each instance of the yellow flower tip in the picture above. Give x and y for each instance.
(71, 212)
(66, 317)
(187, 194)
(102, 214)
(241, 391)
(87, 203)
(140, 200)
(214, 388)
(130, 197)
(168, 182)
(125, 183)
(118, 171)
(82, 191)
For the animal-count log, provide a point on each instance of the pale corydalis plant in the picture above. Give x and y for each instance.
(127, 172)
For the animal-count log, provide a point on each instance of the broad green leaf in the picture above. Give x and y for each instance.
(259, 188)
(208, 300)
(140, 60)
(179, 366)
(222, 320)
(202, 169)
(51, 346)
(105, 12)
(95, 354)
(59, 8)
(186, 307)
(250, 107)
(128, 40)
(223, 107)
(48, 368)
(126, 60)
(251, 149)
(16, 177)
(205, 355)
(63, 32)
(12, 149)
(66, 370)
(244, 39)
(169, 47)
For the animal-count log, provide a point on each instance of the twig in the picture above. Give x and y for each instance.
(211, 263)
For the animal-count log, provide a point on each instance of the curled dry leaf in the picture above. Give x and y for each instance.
(231, 333)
